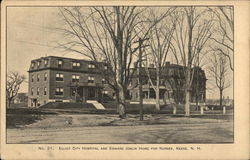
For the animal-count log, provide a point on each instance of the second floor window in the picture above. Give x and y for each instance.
(60, 63)
(38, 78)
(91, 79)
(59, 91)
(32, 91)
(45, 76)
(59, 76)
(75, 78)
(104, 81)
(45, 91)
(38, 91)
(32, 78)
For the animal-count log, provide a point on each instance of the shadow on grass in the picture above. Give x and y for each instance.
(17, 117)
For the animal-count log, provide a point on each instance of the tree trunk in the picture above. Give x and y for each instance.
(187, 93)
(157, 94)
(221, 97)
(187, 103)
(121, 102)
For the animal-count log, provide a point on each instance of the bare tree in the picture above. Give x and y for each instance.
(193, 30)
(106, 33)
(224, 32)
(159, 47)
(14, 80)
(219, 71)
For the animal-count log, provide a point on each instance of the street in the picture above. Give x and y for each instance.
(170, 133)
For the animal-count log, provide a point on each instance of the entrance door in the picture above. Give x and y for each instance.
(91, 94)
(34, 102)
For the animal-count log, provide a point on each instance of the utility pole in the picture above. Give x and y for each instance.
(140, 41)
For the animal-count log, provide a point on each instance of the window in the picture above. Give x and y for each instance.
(105, 92)
(91, 66)
(75, 78)
(76, 64)
(59, 91)
(59, 76)
(46, 62)
(45, 91)
(91, 79)
(105, 67)
(32, 78)
(73, 91)
(38, 63)
(33, 64)
(38, 90)
(32, 91)
(104, 81)
(45, 76)
(38, 77)
(60, 63)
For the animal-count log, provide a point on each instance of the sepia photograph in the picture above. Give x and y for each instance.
(120, 74)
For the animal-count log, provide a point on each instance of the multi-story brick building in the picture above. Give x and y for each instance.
(58, 79)
(172, 84)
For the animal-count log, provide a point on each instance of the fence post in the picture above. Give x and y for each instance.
(174, 110)
(202, 110)
(224, 109)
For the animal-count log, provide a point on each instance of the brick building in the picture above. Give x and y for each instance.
(172, 84)
(58, 79)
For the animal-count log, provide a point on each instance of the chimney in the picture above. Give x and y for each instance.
(167, 63)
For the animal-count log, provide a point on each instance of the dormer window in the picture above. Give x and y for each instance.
(33, 64)
(60, 63)
(38, 63)
(91, 66)
(46, 62)
(76, 64)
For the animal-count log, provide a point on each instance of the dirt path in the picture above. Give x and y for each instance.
(169, 133)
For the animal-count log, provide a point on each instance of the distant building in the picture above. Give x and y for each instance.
(172, 85)
(58, 79)
(21, 98)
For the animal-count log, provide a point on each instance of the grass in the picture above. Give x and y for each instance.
(17, 117)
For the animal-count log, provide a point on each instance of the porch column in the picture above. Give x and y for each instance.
(84, 95)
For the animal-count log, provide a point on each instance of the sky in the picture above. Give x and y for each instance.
(30, 35)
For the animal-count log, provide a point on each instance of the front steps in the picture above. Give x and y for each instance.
(96, 104)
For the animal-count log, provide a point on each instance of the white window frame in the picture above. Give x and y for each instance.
(91, 66)
(38, 91)
(46, 62)
(91, 78)
(45, 91)
(38, 77)
(61, 76)
(59, 90)
(45, 76)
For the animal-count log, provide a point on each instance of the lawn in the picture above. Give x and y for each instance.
(26, 125)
